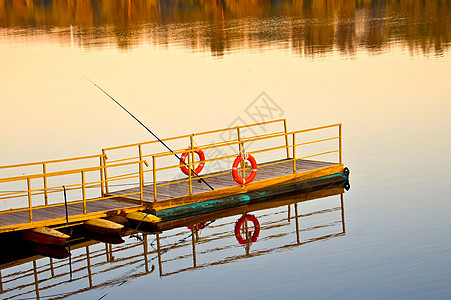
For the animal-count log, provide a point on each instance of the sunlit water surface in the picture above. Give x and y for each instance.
(190, 71)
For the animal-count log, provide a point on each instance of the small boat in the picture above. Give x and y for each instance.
(139, 217)
(45, 236)
(102, 226)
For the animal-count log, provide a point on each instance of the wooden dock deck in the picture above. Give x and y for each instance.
(99, 188)
(174, 193)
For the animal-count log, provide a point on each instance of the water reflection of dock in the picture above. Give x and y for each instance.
(285, 224)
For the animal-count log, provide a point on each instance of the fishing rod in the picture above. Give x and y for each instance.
(167, 147)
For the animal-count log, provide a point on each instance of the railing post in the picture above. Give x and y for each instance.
(286, 137)
(241, 148)
(30, 205)
(189, 173)
(191, 165)
(44, 171)
(154, 172)
(105, 171)
(83, 190)
(239, 138)
(294, 153)
(339, 128)
(102, 182)
(141, 165)
(141, 182)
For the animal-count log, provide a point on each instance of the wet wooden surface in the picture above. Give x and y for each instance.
(47, 213)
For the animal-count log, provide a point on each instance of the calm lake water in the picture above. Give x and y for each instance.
(382, 68)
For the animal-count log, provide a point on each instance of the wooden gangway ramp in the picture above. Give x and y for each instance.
(141, 176)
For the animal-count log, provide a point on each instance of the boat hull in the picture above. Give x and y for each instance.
(45, 236)
(102, 226)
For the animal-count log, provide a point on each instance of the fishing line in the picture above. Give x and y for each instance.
(167, 147)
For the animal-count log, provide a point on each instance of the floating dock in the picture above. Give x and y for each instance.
(134, 177)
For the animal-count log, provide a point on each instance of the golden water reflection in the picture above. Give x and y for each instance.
(307, 28)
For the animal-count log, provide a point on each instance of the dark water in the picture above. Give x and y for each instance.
(379, 67)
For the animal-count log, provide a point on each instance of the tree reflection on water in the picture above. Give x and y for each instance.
(308, 28)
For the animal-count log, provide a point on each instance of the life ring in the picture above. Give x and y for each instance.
(183, 165)
(198, 226)
(237, 161)
(238, 225)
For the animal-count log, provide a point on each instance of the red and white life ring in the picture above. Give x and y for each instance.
(199, 168)
(237, 161)
(240, 223)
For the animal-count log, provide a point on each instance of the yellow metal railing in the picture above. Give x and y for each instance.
(45, 165)
(83, 187)
(276, 140)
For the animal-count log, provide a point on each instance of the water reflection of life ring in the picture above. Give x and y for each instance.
(237, 161)
(199, 168)
(199, 226)
(238, 225)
